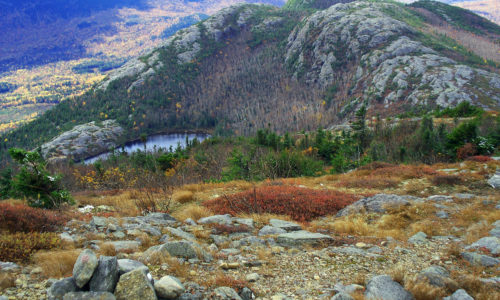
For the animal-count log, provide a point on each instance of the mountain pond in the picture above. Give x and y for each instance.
(153, 142)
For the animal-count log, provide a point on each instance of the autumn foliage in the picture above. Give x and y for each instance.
(301, 204)
(22, 218)
(19, 247)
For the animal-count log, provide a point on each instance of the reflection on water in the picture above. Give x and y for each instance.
(164, 141)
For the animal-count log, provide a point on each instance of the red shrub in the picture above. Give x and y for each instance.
(466, 151)
(480, 158)
(301, 204)
(404, 171)
(22, 218)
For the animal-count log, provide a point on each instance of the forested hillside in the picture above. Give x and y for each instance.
(290, 69)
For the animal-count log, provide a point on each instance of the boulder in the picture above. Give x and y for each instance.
(244, 221)
(135, 285)
(383, 287)
(490, 242)
(480, 259)
(89, 296)
(494, 181)
(125, 246)
(437, 276)
(418, 238)
(181, 234)
(61, 287)
(342, 296)
(378, 203)
(268, 230)
(226, 293)
(301, 237)
(495, 232)
(217, 219)
(285, 225)
(106, 275)
(126, 265)
(459, 295)
(84, 267)
(169, 287)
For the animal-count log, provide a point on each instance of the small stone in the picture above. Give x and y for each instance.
(459, 295)
(226, 293)
(169, 287)
(362, 245)
(253, 277)
(135, 285)
(106, 275)
(84, 267)
(418, 238)
(60, 288)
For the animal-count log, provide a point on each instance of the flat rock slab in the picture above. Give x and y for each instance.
(491, 243)
(302, 237)
(378, 203)
(217, 219)
(480, 259)
(126, 265)
(125, 246)
(286, 225)
(268, 230)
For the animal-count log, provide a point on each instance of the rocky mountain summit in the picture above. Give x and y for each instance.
(299, 67)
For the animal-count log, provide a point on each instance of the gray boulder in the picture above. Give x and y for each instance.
(182, 234)
(442, 214)
(182, 249)
(89, 296)
(490, 242)
(418, 238)
(437, 276)
(243, 221)
(459, 295)
(285, 225)
(84, 267)
(302, 237)
(480, 259)
(61, 287)
(383, 287)
(125, 246)
(267, 230)
(378, 203)
(495, 232)
(226, 293)
(217, 219)
(169, 287)
(494, 181)
(135, 285)
(106, 275)
(3, 298)
(126, 265)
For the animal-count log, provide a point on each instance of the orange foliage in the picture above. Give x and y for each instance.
(480, 158)
(301, 204)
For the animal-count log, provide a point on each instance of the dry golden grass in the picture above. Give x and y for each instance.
(107, 249)
(476, 231)
(360, 278)
(478, 289)
(353, 225)
(183, 197)
(422, 290)
(177, 269)
(123, 202)
(156, 258)
(7, 280)
(398, 273)
(56, 264)
(200, 233)
(193, 211)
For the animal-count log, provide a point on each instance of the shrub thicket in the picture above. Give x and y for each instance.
(301, 204)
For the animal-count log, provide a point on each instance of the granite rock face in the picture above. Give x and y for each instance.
(83, 141)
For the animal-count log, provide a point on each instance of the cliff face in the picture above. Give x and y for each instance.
(291, 69)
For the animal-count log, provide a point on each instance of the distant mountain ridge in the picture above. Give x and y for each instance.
(297, 68)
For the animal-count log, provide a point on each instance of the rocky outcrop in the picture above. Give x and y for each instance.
(393, 66)
(83, 141)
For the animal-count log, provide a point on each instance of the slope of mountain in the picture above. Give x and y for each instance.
(255, 66)
(489, 9)
(53, 49)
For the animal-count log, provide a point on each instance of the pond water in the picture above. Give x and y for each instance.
(164, 141)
